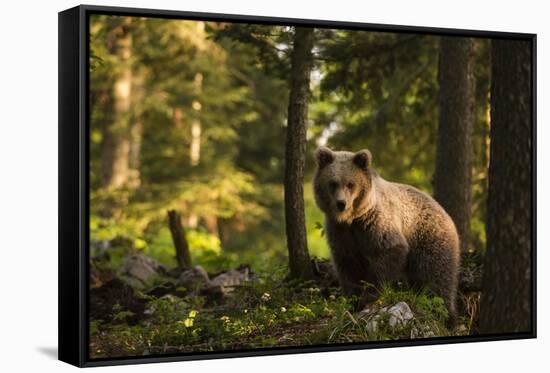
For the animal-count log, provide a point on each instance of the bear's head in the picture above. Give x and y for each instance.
(343, 183)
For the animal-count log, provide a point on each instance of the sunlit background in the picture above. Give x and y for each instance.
(191, 116)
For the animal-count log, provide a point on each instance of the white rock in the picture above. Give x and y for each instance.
(397, 315)
(400, 314)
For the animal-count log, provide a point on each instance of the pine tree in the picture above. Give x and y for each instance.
(295, 159)
(453, 167)
(507, 279)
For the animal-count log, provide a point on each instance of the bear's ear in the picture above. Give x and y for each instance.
(324, 156)
(362, 159)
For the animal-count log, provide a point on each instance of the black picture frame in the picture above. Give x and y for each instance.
(74, 156)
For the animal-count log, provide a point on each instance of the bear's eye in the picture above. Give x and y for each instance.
(333, 184)
(350, 185)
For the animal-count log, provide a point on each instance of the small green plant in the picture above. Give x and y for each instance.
(266, 313)
(122, 315)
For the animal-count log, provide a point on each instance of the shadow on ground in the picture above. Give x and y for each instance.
(51, 352)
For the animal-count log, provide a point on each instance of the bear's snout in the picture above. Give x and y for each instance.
(341, 204)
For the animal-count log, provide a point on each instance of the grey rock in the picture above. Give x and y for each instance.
(398, 315)
(231, 278)
(194, 279)
(138, 270)
(224, 283)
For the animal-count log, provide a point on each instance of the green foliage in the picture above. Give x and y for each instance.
(237, 183)
(430, 315)
(266, 313)
(317, 243)
(379, 91)
(422, 302)
(122, 315)
(369, 90)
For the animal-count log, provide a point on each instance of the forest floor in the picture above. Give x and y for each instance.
(195, 311)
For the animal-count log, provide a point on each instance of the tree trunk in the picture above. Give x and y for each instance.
(116, 144)
(210, 222)
(136, 132)
(134, 175)
(453, 168)
(183, 255)
(196, 128)
(295, 155)
(506, 290)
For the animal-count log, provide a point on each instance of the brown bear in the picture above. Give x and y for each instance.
(382, 232)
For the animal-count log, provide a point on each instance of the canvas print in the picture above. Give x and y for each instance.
(264, 186)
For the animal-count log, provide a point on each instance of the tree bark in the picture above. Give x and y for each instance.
(507, 285)
(134, 155)
(453, 168)
(116, 144)
(183, 256)
(196, 127)
(295, 154)
(136, 131)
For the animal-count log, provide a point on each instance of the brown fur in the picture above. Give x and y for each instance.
(386, 231)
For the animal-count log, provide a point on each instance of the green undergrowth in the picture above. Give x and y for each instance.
(270, 312)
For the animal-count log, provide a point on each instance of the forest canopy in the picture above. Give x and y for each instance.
(198, 122)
